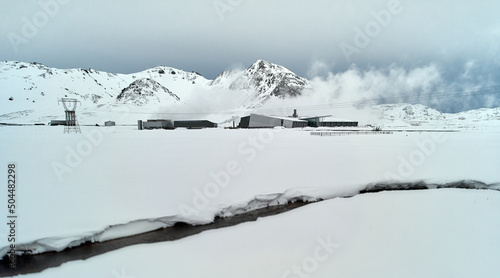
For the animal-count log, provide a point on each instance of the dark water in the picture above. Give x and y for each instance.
(36, 263)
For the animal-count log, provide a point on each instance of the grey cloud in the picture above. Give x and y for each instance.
(128, 36)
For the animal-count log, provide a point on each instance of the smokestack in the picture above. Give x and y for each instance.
(295, 113)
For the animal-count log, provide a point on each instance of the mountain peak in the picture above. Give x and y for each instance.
(144, 90)
(269, 80)
(263, 65)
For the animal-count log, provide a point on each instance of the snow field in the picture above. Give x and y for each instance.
(74, 187)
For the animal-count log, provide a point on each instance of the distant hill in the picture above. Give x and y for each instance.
(29, 93)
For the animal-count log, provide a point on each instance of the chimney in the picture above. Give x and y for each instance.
(295, 113)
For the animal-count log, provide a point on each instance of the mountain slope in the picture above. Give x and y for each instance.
(262, 81)
(268, 80)
(146, 90)
(409, 112)
(29, 92)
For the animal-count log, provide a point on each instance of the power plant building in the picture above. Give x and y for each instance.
(157, 124)
(169, 124)
(194, 124)
(328, 121)
(57, 122)
(294, 121)
(262, 121)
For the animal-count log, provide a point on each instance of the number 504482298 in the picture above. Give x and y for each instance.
(11, 187)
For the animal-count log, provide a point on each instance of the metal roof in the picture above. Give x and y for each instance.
(282, 118)
(314, 117)
(326, 118)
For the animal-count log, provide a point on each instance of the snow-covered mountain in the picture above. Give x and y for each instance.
(482, 114)
(404, 114)
(37, 89)
(266, 79)
(409, 112)
(419, 112)
(262, 81)
(29, 93)
(144, 90)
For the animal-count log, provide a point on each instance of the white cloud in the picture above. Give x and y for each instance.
(355, 88)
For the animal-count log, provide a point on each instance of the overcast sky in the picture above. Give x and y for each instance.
(310, 37)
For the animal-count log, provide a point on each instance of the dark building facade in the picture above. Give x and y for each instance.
(195, 124)
(57, 122)
(158, 124)
(339, 123)
(262, 121)
(327, 121)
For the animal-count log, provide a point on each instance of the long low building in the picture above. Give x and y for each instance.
(169, 124)
(328, 121)
(57, 122)
(156, 124)
(262, 121)
(195, 124)
(333, 122)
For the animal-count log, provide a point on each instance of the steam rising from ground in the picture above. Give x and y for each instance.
(345, 93)
(351, 94)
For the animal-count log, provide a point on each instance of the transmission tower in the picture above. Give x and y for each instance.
(71, 121)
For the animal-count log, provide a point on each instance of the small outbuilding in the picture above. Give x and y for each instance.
(109, 123)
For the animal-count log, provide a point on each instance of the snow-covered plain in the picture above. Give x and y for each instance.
(72, 188)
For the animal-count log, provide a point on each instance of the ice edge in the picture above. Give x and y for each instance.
(135, 227)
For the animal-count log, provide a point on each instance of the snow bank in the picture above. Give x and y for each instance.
(258, 202)
(428, 233)
(465, 184)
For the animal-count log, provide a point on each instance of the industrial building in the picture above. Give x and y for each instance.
(333, 122)
(169, 124)
(155, 124)
(195, 124)
(262, 121)
(328, 121)
(57, 122)
(253, 121)
(294, 121)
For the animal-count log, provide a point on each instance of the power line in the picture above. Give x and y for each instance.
(486, 90)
